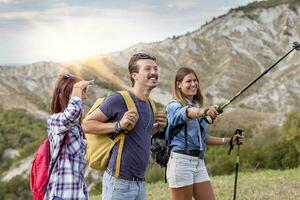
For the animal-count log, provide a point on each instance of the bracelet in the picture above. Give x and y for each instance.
(78, 87)
(117, 127)
(223, 141)
(205, 112)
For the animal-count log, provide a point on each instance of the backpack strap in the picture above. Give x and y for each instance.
(175, 130)
(121, 137)
(130, 105)
(185, 137)
(64, 142)
(95, 105)
(153, 106)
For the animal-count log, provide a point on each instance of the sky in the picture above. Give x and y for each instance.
(52, 30)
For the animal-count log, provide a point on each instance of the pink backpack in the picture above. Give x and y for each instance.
(40, 172)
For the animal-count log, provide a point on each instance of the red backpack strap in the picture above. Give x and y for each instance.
(66, 140)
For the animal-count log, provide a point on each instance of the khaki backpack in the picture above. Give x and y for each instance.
(99, 146)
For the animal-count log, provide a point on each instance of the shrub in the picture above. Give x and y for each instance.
(154, 173)
(96, 188)
(292, 125)
(15, 189)
(281, 155)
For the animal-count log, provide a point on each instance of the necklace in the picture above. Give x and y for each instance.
(145, 125)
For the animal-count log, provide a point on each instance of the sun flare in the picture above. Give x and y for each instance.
(65, 41)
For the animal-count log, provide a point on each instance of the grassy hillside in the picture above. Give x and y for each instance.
(20, 131)
(262, 185)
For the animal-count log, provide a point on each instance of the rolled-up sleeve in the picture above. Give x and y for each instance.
(60, 122)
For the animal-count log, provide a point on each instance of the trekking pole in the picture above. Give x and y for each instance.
(237, 132)
(236, 171)
(209, 120)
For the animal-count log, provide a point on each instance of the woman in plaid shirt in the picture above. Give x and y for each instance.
(63, 126)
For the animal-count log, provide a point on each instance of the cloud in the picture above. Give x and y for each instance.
(19, 15)
(6, 1)
(63, 11)
(184, 5)
(61, 31)
(9, 1)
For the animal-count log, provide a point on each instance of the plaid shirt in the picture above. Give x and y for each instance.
(67, 178)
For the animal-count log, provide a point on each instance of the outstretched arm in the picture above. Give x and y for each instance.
(224, 141)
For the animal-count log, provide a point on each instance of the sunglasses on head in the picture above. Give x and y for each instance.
(142, 55)
(68, 75)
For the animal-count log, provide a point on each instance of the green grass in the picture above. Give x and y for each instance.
(262, 185)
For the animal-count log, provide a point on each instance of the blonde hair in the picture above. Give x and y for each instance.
(177, 93)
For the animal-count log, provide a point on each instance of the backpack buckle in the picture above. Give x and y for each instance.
(125, 132)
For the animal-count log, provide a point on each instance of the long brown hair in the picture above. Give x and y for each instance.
(62, 92)
(177, 93)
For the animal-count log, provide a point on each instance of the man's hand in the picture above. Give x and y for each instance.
(129, 118)
(160, 121)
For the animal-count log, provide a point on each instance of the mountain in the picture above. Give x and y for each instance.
(227, 53)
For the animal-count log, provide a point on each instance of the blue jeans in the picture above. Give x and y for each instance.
(119, 189)
(57, 198)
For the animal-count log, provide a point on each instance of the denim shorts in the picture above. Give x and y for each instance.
(119, 189)
(184, 170)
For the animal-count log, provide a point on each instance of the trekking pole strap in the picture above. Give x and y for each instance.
(230, 145)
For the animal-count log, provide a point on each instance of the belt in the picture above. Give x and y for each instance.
(127, 178)
(194, 153)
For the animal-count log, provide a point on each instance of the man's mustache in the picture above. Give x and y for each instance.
(153, 76)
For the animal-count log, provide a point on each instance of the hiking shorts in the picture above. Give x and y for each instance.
(184, 170)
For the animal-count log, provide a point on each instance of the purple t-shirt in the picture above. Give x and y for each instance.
(136, 149)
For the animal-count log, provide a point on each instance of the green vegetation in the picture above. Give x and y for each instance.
(263, 185)
(15, 189)
(292, 126)
(19, 130)
(154, 173)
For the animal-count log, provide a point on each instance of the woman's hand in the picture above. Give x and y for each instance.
(237, 139)
(213, 111)
(79, 88)
(83, 84)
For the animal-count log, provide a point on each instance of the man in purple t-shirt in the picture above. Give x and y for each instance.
(113, 113)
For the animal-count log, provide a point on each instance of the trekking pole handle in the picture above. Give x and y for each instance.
(296, 45)
(211, 120)
(239, 132)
